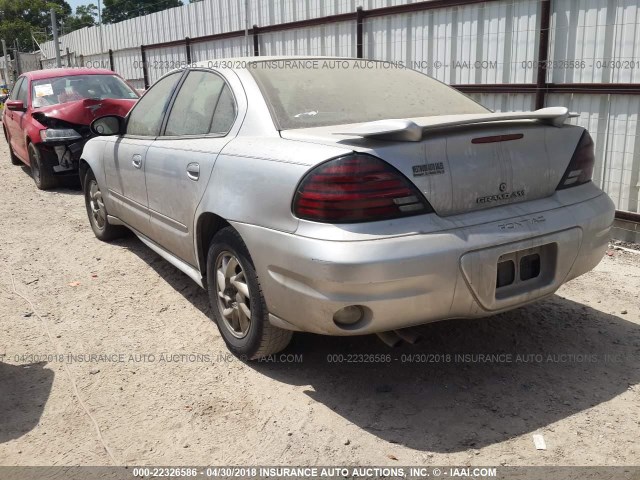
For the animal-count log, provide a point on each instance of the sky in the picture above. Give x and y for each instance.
(75, 3)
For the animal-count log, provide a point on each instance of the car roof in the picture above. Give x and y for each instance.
(66, 72)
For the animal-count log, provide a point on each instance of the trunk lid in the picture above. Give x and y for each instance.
(463, 169)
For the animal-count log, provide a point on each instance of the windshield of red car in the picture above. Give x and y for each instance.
(53, 91)
(316, 92)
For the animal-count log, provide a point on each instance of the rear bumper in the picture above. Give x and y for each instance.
(420, 278)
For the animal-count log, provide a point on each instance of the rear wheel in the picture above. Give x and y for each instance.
(41, 170)
(237, 301)
(14, 160)
(97, 211)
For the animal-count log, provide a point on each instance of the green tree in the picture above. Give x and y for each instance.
(85, 16)
(20, 18)
(118, 10)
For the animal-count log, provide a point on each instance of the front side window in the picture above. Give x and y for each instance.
(14, 91)
(53, 91)
(203, 105)
(22, 92)
(146, 117)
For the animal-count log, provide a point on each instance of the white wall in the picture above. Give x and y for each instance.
(486, 43)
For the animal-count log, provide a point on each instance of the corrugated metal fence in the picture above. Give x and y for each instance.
(508, 54)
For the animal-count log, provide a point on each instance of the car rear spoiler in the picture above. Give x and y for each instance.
(411, 130)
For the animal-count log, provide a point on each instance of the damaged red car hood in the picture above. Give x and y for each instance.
(83, 112)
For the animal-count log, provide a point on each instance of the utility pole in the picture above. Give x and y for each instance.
(17, 51)
(100, 25)
(56, 45)
(6, 62)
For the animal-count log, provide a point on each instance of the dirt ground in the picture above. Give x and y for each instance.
(162, 388)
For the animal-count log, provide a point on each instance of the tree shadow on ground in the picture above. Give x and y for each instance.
(24, 392)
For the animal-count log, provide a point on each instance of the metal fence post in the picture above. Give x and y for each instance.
(256, 42)
(359, 32)
(543, 52)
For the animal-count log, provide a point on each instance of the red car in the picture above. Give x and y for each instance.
(47, 115)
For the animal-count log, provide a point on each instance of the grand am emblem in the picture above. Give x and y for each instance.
(503, 195)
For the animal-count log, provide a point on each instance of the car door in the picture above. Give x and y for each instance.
(21, 119)
(14, 118)
(9, 124)
(181, 159)
(125, 156)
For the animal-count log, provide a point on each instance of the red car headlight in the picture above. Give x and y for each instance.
(59, 135)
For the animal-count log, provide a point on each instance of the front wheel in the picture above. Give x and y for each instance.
(41, 171)
(236, 298)
(97, 211)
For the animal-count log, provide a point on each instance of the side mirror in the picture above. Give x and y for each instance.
(15, 105)
(108, 125)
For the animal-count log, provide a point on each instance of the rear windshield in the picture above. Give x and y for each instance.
(305, 93)
(52, 91)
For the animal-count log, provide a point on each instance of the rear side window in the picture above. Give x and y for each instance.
(203, 105)
(146, 117)
(225, 113)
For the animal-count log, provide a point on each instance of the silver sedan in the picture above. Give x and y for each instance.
(345, 197)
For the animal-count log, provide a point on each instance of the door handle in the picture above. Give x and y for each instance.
(193, 171)
(136, 160)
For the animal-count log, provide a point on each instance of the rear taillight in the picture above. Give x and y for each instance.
(357, 188)
(580, 167)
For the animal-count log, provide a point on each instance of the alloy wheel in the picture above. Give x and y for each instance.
(234, 299)
(98, 210)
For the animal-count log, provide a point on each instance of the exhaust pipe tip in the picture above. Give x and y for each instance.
(409, 335)
(390, 338)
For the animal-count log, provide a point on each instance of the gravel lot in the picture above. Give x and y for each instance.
(170, 394)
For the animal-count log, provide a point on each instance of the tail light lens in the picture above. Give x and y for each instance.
(357, 188)
(580, 167)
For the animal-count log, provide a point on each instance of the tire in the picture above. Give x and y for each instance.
(14, 160)
(228, 259)
(97, 212)
(41, 170)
